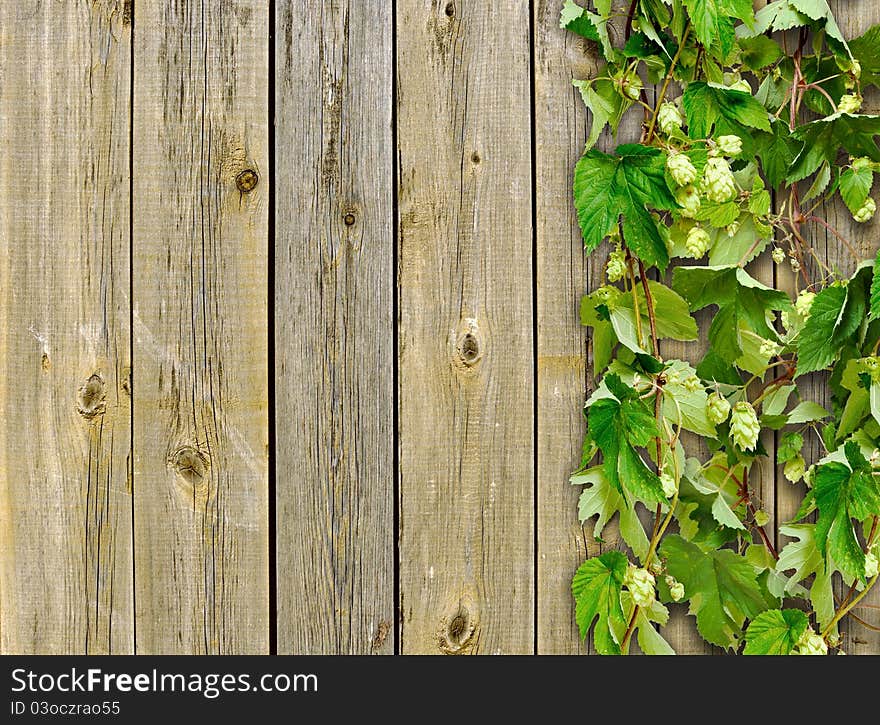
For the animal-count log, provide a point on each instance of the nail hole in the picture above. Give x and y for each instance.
(247, 180)
(449, 10)
(91, 397)
(349, 219)
(475, 157)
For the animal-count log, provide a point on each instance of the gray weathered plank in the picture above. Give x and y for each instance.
(65, 507)
(466, 367)
(200, 327)
(334, 328)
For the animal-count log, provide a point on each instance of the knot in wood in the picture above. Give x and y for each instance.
(191, 465)
(468, 345)
(458, 631)
(91, 396)
(247, 180)
(349, 219)
(449, 10)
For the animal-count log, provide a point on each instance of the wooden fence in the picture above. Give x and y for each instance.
(307, 386)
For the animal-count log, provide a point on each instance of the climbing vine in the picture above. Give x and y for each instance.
(754, 121)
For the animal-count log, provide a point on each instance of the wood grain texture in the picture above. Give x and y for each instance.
(334, 328)
(561, 268)
(201, 327)
(465, 334)
(65, 506)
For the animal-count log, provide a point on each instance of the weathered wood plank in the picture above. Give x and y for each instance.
(561, 268)
(466, 367)
(334, 328)
(65, 507)
(200, 327)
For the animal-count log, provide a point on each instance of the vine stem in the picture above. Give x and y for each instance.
(649, 303)
(666, 81)
(629, 18)
(655, 539)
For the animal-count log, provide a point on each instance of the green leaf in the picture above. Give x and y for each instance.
(759, 52)
(875, 289)
(822, 140)
(778, 15)
(574, 18)
(712, 19)
(607, 187)
(790, 445)
(672, 317)
(866, 49)
(606, 104)
(742, 302)
(820, 183)
(722, 588)
(596, 587)
(804, 558)
(604, 501)
(728, 111)
(806, 412)
(843, 493)
(685, 407)
(819, 10)
(855, 185)
(829, 326)
(618, 425)
(777, 151)
(775, 632)
(649, 639)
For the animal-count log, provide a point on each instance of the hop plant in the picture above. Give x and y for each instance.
(640, 583)
(794, 469)
(681, 169)
(730, 145)
(866, 212)
(861, 163)
(689, 199)
(717, 408)
(769, 349)
(778, 255)
(676, 588)
(668, 483)
(762, 518)
(744, 426)
(718, 181)
(804, 303)
(631, 85)
(615, 269)
(850, 103)
(811, 644)
(697, 242)
(691, 383)
(669, 118)
(872, 565)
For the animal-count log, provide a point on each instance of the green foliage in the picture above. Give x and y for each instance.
(596, 587)
(775, 632)
(626, 184)
(767, 130)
